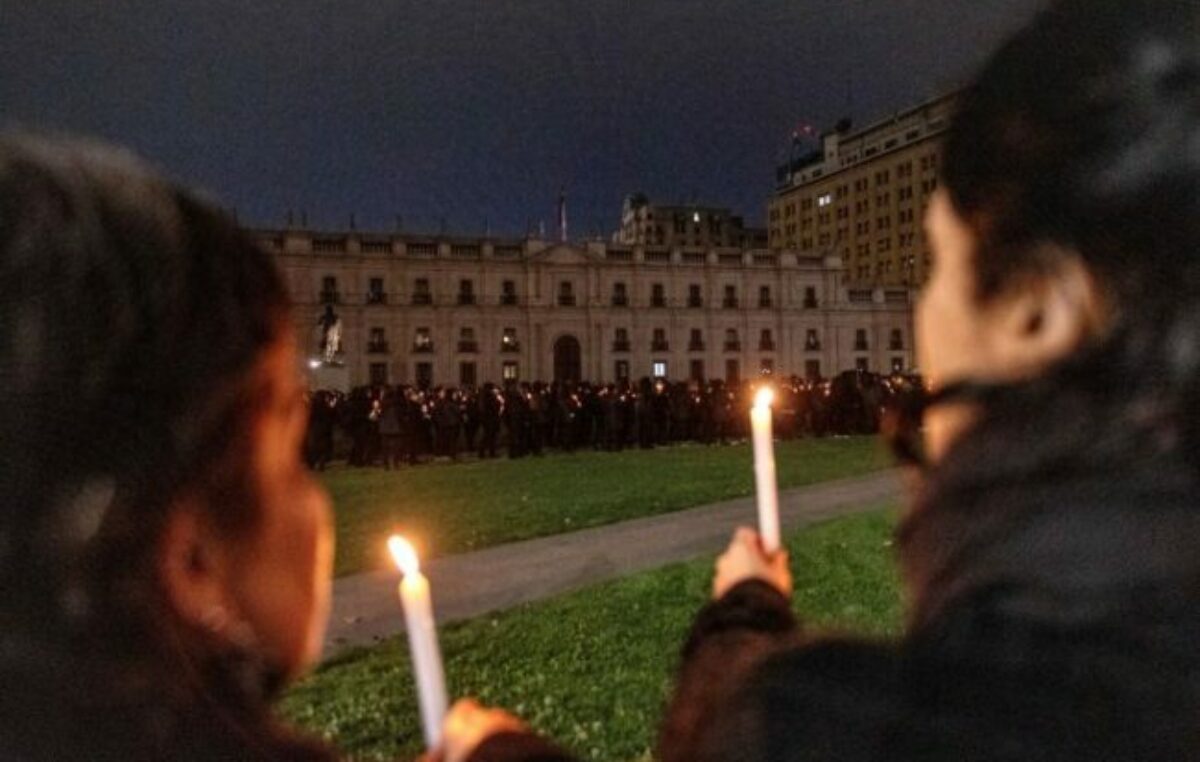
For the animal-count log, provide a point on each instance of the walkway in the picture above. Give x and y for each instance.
(366, 609)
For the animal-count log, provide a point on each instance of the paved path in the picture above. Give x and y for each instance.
(365, 608)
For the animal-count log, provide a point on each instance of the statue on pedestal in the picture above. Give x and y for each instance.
(331, 335)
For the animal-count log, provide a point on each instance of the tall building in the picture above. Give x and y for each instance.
(698, 226)
(862, 194)
(443, 310)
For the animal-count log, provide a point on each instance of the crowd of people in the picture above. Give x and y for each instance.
(393, 425)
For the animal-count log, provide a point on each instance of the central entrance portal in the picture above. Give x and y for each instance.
(568, 365)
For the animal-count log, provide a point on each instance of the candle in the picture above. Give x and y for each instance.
(764, 470)
(422, 640)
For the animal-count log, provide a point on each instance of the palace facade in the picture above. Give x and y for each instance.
(438, 310)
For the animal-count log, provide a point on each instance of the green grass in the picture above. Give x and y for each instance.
(451, 508)
(591, 669)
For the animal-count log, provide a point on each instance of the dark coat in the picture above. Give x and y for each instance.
(1052, 622)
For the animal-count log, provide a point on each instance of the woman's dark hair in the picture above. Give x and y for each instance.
(134, 320)
(1081, 137)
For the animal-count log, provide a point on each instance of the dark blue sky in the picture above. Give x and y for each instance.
(474, 109)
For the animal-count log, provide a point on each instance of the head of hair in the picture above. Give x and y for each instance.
(1081, 137)
(134, 318)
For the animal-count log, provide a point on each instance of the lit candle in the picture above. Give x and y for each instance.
(764, 470)
(422, 640)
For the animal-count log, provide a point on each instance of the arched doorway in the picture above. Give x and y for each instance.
(568, 364)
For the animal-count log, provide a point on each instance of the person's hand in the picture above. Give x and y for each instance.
(745, 559)
(468, 725)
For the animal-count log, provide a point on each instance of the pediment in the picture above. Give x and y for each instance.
(563, 254)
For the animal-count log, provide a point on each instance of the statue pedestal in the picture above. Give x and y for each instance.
(330, 376)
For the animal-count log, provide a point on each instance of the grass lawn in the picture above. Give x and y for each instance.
(591, 669)
(455, 507)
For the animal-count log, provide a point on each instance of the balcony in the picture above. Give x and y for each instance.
(733, 346)
(566, 300)
(810, 302)
(812, 346)
(660, 346)
(330, 297)
(510, 346)
(695, 302)
(729, 304)
(620, 301)
(422, 348)
(620, 346)
(376, 297)
(695, 346)
(421, 298)
(766, 346)
(377, 347)
(658, 302)
(861, 346)
(508, 300)
(764, 304)
(467, 345)
(465, 298)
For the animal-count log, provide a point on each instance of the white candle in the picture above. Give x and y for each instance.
(764, 470)
(422, 640)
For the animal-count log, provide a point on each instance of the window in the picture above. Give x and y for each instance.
(812, 343)
(619, 297)
(658, 342)
(376, 341)
(896, 341)
(824, 200)
(862, 363)
(733, 371)
(731, 300)
(621, 370)
(377, 372)
(659, 369)
(421, 292)
(466, 374)
(897, 364)
(566, 294)
(766, 366)
(329, 290)
(508, 340)
(375, 293)
(766, 341)
(621, 340)
(508, 371)
(423, 340)
(466, 291)
(694, 298)
(810, 297)
(508, 292)
(658, 295)
(466, 340)
(696, 371)
(424, 375)
(764, 297)
(731, 340)
(860, 340)
(696, 340)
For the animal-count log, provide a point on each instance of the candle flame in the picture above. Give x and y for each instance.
(404, 554)
(764, 398)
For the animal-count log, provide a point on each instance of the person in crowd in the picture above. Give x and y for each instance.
(491, 410)
(391, 431)
(1049, 552)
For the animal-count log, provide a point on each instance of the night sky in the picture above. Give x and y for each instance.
(474, 110)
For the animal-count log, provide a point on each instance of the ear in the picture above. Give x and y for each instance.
(191, 566)
(1047, 317)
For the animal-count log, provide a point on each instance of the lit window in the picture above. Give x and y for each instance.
(660, 369)
(825, 200)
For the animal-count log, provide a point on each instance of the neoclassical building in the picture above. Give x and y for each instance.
(444, 310)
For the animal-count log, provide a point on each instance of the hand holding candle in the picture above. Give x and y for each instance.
(422, 640)
(766, 488)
